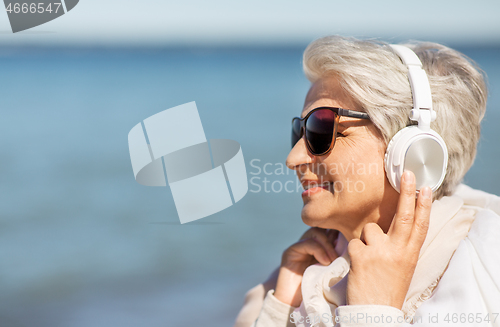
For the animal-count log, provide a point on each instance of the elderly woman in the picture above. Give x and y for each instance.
(385, 250)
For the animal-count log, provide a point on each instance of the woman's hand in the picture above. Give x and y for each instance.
(316, 245)
(382, 265)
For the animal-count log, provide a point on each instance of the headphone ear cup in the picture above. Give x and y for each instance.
(391, 170)
(422, 152)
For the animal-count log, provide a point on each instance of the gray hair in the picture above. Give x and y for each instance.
(375, 78)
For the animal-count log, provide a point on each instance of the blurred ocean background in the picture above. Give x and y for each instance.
(82, 244)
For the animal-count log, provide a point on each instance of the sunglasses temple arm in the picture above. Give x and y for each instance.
(354, 114)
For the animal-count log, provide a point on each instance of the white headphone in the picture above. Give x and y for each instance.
(417, 148)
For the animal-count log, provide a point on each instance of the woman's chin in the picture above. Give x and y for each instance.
(314, 216)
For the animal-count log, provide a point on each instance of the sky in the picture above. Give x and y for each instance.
(261, 22)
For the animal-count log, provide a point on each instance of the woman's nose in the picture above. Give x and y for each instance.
(298, 155)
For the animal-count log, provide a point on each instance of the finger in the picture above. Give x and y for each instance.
(371, 234)
(322, 238)
(307, 234)
(311, 231)
(422, 217)
(320, 235)
(402, 223)
(313, 248)
(354, 247)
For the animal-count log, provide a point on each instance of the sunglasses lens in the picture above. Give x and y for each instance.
(319, 130)
(295, 131)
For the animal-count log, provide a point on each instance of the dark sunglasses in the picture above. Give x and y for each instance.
(320, 128)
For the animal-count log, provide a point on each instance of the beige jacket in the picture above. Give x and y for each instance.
(461, 254)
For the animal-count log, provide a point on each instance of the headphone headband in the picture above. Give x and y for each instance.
(420, 87)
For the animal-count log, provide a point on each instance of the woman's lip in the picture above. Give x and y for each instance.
(315, 189)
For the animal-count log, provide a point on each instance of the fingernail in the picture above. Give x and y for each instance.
(408, 177)
(426, 192)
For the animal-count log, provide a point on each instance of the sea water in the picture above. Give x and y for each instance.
(82, 244)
